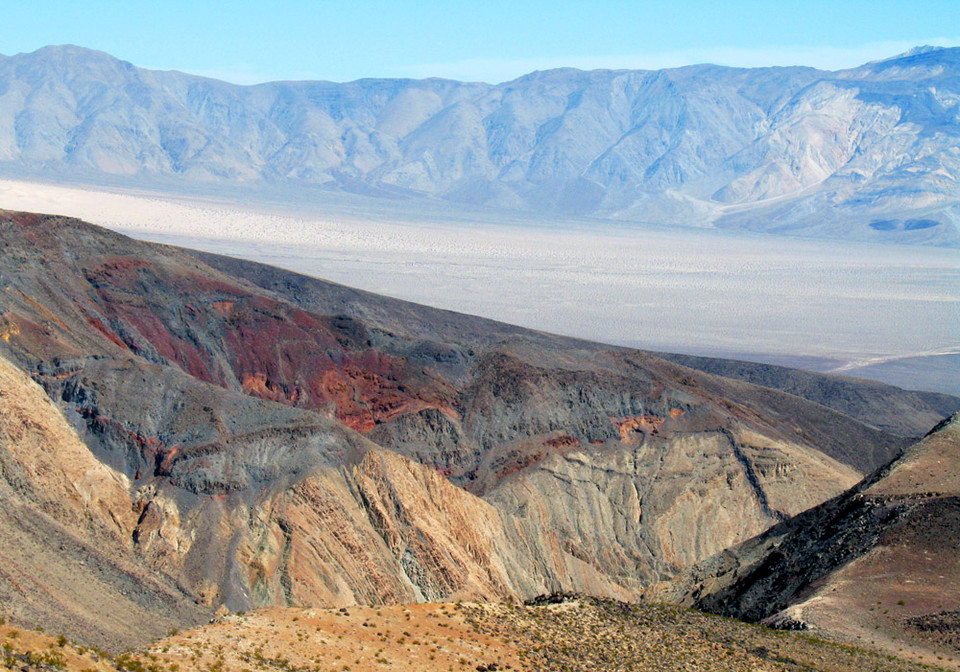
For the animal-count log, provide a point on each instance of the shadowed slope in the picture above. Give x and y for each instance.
(877, 564)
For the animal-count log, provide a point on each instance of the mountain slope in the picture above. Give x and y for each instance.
(66, 554)
(877, 564)
(863, 153)
(876, 404)
(289, 441)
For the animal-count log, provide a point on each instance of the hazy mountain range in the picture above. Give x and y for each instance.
(867, 153)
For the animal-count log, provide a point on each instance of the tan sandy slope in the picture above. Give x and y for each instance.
(65, 557)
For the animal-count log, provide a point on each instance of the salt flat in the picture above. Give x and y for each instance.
(833, 305)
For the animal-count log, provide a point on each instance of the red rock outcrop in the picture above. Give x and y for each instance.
(639, 424)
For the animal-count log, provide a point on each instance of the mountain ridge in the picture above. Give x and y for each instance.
(860, 153)
(269, 439)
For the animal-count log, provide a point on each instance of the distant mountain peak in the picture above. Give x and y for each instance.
(917, 51)
(922, 53)
(69, 50)
(64, 58)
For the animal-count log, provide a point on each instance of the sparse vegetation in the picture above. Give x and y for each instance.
(572, 634)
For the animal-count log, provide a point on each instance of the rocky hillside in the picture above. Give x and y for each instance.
(882, 406)
(875, 565)
(865, 153)
(277, 440)
(66, 525)
(564, 633)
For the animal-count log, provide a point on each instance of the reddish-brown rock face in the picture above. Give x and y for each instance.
(228, 335)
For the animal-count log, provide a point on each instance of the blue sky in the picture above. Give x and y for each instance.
(247, 42)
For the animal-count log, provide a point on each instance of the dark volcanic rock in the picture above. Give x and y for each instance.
(883, 406)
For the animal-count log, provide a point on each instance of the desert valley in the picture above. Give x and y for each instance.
(587, 370)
